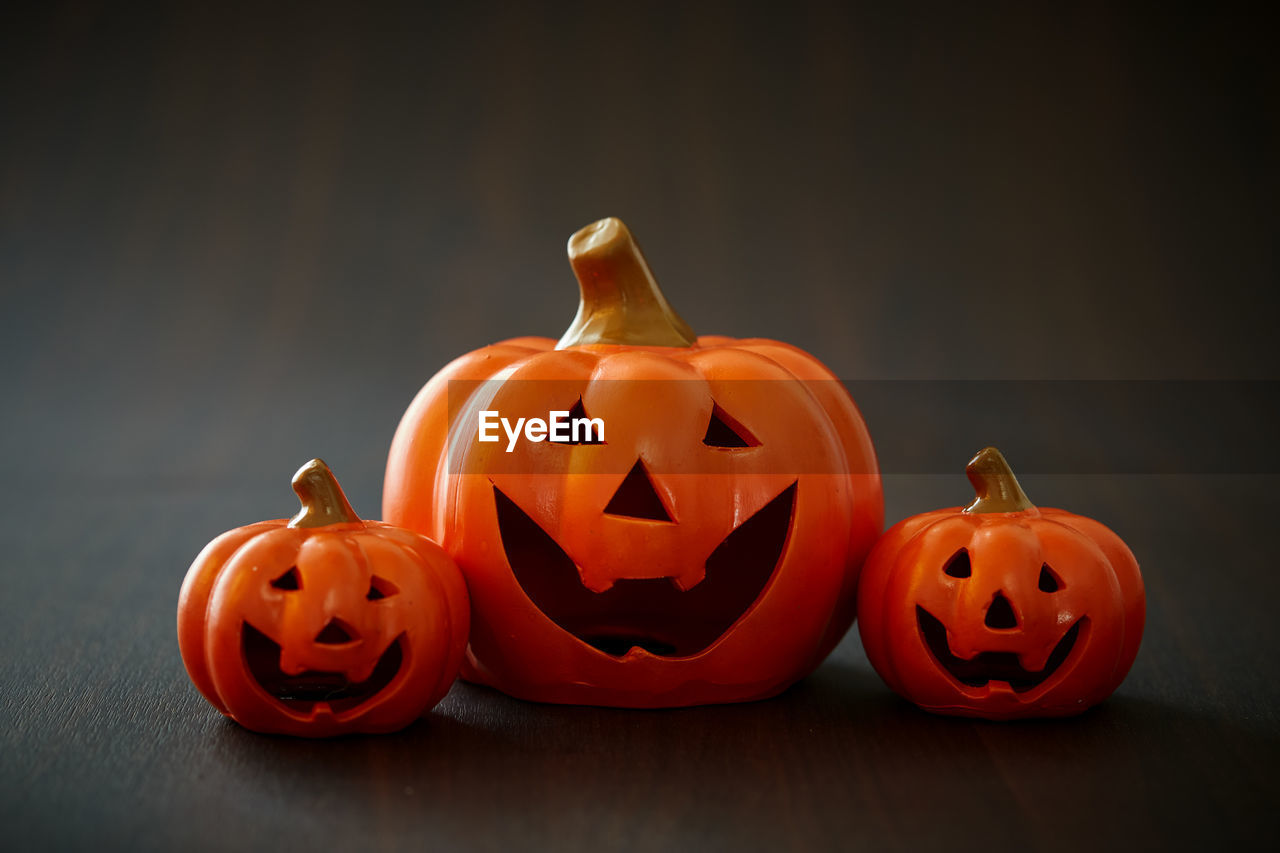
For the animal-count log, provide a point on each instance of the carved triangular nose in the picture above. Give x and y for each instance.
(1000, 614)
(636, 497)
(336, 633)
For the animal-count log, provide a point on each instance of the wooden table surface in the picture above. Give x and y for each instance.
(234, 239)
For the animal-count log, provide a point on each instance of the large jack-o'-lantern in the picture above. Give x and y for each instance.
(1001, 609)
(322, 624)
(707, 550)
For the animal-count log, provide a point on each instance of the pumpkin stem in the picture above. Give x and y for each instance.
(995, 485)
(323, 502)
(621, 302)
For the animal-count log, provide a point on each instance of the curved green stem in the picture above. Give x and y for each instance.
(995, 485)
(621, 302)
(323, 501)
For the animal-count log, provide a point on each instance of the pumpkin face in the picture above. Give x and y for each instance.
(325, 624)
(706, 551)
(1001, 609)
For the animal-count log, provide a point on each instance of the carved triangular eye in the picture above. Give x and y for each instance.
(380, 588)
(584, 435)
(289, 581)
(1049, 580)
(959, 566)
(724, 431)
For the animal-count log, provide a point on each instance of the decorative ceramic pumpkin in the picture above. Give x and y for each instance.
(322, 624)
(707, 550)
(1000, 609)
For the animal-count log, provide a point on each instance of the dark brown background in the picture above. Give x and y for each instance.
(231, 240)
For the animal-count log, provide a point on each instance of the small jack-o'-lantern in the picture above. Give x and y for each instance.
(322, 624)
(1001, 609)
(706, 550)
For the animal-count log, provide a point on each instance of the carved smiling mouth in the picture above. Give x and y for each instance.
(652, 614)
(306, 690)
(992, 666)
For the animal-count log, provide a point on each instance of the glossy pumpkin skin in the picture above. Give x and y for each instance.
(420, 605)
(1091, 580)
(808, 434)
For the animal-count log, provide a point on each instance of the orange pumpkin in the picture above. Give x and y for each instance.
(322, 624)
(707, 550)
(1001, 609)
